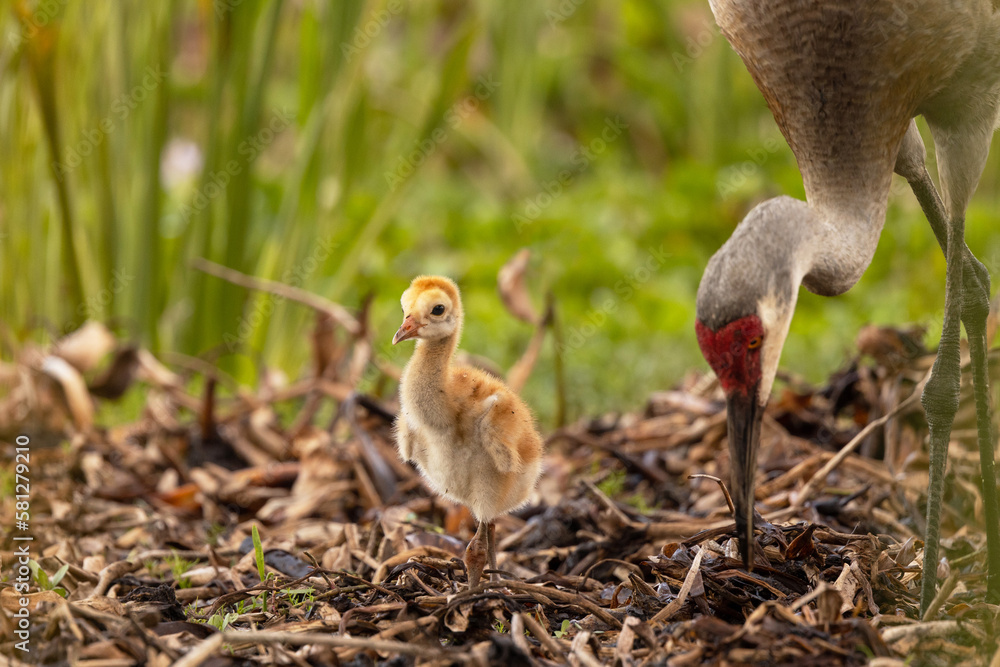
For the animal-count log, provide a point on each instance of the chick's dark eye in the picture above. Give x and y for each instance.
(438, 310)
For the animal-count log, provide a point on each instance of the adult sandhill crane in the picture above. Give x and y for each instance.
(844, 79)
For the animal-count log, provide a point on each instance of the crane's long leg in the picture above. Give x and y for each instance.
(940, 401)
(974, 310)
(975, 327)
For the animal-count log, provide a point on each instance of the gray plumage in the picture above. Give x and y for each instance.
(844, 79)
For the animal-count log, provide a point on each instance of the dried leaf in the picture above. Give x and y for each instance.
(118, 377)
(10, 599)
(185, 498)
(802, 546)
(457, 619)
(513, 292)
(324, 343)
(907, 552)
(80, 405)
(152, 371)
(829, 602)
(86, 347)
(890, 347)
(519, 373)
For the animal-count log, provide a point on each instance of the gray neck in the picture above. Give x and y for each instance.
(783, 243)
(840, 240)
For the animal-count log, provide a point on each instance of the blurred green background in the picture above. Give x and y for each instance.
(346, 146)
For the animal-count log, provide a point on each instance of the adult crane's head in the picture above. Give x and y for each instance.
(745, 304)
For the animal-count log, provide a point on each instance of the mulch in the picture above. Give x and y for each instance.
(143, 531)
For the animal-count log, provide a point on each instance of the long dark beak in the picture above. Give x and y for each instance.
(407, 330)
(743, 416)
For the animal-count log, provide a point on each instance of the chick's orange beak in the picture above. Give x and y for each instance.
(409, 329)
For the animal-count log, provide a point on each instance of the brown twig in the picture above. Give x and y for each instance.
(113, 571)
(810, 487)
(519, 373)
(722, 485)
(668, 612)
(543, 637)
(383, 477)
(556, 594)
(942, 596)
(557, 361)
(290, 292)
(292, 638)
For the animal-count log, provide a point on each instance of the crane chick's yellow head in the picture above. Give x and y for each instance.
(432, 310)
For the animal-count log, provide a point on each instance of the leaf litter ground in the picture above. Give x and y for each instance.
(143, 532)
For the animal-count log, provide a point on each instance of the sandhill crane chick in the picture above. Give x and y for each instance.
(471, 437)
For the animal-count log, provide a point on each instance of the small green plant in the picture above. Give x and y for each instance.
(499, 626)
(214, 532)
(638, 501)
(613, 484)
(47, 583)
(7, 479)
(563, 630)
(258, 553)
(298, 596)
(178, 567)
(220, 622)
